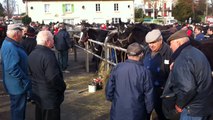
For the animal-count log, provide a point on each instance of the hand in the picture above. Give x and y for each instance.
(171, 66)
(178, 109)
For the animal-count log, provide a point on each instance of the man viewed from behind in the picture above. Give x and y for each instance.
(130, 88)
(189, 80)
(15, 71)
(47, 80)
(157, 61)
(63, 44)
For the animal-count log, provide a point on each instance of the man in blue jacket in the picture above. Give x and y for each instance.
(15, 71)
(156, 59)
(130, 88)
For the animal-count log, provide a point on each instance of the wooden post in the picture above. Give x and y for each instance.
(87, 58)
(106, 54)
(75, 53)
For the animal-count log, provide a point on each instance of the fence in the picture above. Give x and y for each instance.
(106, 47)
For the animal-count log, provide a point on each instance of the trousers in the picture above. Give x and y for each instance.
(184, 116)
(18, 106)
(47, 114)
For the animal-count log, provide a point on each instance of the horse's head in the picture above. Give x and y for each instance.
(136, 33)
(83, 36)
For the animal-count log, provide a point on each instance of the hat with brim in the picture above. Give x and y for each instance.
(153, 36)
(177, 35)
(14, 27)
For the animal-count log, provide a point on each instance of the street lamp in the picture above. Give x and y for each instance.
(17, 8)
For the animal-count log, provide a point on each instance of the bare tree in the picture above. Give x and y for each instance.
(9, 6)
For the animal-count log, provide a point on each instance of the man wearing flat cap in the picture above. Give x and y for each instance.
(15, 71)
(190, 80)
(157, 61)
(130, 88)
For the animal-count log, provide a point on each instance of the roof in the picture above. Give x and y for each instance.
(74, 0)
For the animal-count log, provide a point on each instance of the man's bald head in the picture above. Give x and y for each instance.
(43, 37)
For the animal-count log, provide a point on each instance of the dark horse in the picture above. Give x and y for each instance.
(122, 38)
(97, 35)
(132, 33)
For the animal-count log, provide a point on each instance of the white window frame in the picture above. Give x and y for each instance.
(69, 21)
(116, 7)
(97, 7)
(115, 20)
(47, 8)
(68, 7)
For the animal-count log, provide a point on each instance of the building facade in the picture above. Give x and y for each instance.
(75, 11)
(156, 8)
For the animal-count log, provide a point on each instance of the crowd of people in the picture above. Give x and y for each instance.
(171, 77)
(31, 70)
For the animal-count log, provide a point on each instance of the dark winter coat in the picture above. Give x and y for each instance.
(190, 82)
(29, 44)
(131, 91)
(47, 80)
(62, 40)
(207, 49)
(158, 65)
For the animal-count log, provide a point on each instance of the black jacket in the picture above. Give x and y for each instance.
(29, 44)
(47, 79)
(190, 82)
(62, 40)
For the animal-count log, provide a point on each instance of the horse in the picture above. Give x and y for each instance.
(122, 38)
(97, 35)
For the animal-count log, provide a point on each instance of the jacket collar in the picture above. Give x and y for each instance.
(133, 61)
(162, 50)
(42, 47)
(178, 51)
(13, 41)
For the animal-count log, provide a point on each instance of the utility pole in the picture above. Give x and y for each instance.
(18, 8)
(207, 7)
(163, 8)
(153, 8)
(26, 7)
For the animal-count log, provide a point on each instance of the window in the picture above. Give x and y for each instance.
(46, 8)
(116, 7)
(68, 8)
(69, 21)
(115, 20)
(97, 6)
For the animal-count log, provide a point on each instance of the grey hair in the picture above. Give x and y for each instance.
(184, 39)
(11, 33)
(43, 36)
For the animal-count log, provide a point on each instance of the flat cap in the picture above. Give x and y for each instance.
(14, 27)
(177, 35)
(134, 49)
(153, 35)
